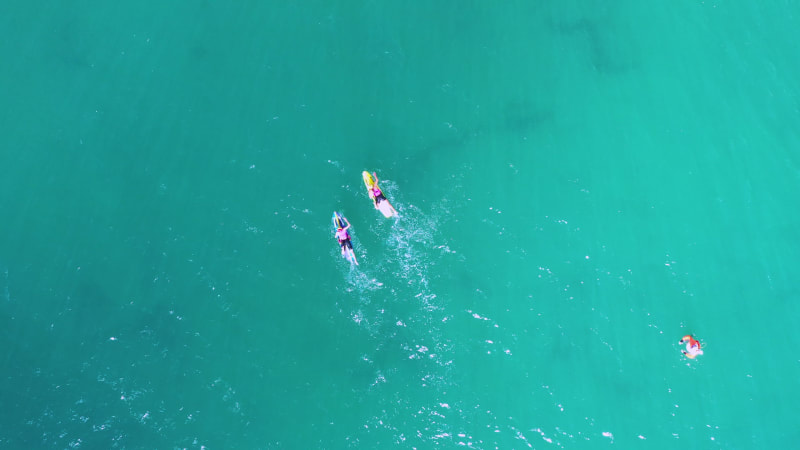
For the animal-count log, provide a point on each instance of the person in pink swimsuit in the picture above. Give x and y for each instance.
(377, 194)
(344, 237)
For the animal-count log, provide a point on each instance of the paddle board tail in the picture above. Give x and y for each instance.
(386, 208)
(351, 256)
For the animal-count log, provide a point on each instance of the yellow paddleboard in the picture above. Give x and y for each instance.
(384, 206)
(368, 181)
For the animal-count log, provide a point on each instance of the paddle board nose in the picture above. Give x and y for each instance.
(337, 220)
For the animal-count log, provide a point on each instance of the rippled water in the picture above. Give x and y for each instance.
(579, 185)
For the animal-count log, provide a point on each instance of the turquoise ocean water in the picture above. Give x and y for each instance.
(579, 184)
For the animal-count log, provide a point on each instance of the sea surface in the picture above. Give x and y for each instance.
(579, 185)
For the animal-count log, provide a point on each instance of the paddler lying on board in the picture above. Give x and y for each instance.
(377, 194)
(344, 239)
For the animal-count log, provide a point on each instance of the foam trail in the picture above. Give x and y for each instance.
(411, 239)
(405, 319)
